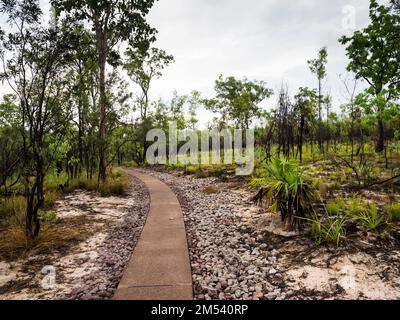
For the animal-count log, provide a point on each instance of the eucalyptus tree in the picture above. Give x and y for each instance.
(238, 101)
(34, 65)
(176, 110)
(306, 101)
(194, 101)
(374, 54)
(318, 67)
(82, 80)
(113, 22)
(143, 67)
(285, 124)
(10, 142)
(351, 84)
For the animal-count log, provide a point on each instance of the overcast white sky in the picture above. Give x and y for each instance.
(268, 40)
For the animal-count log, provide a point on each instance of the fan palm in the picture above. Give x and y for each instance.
(289, 191)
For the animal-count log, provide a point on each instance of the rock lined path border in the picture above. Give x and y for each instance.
(159, 268)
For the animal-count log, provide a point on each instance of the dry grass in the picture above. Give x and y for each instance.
(57, 236)
(12, 211)
(210, 190)
(115, 185)
(234, 186)
(50, 199)
(9, 206)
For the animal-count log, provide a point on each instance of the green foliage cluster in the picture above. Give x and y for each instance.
(393, 211)
(291, 193)
(332, 228)
(331, 231)
(48, 216)
(115, 185)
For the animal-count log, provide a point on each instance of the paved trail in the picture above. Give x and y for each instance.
(160, 267)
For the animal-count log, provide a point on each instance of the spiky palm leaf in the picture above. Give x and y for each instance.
(289, 191)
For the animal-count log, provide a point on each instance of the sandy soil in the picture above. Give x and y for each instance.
(93, 268)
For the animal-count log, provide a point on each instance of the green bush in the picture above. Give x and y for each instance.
(12, 210)
(50, 199)
(366, 212)
(48, 216)
(115, 185)
(291, 193)
(332, 209)
(393, 211)
(117, 172)
(130, 164)
(357, 206)
(326, 231)
(335, 207)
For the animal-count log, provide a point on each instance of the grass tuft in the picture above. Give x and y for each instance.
(326, 231)
(53, 237)
(393, 211)
(210, 190)
(115, 185)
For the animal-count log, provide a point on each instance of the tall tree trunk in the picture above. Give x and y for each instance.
(102, 47)
(80, 122)
(144, 121)
(352, 139)
(320, 140)
(300, 146)
(80, 139)
(380, 145)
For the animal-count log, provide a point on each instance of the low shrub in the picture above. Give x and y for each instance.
(53, 181)
(393, 211)
(130, 164)
(50, 199)
(53, 236)
(12, 211)
(117, 172)
(333, 176)
(327, 230)
(191, 169)
(371, 220)
(201, 174)
(322, 187)
(289, 191)
(12, 205)
(335, 207)
(115, 185)
(218, 171)
(366, 212)
(48, 216)
(357, 206)
(332, 209)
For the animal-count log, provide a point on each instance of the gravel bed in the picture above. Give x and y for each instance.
(236, 255)
(226, 263)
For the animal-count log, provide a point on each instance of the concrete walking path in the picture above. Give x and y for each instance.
(159, 268)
